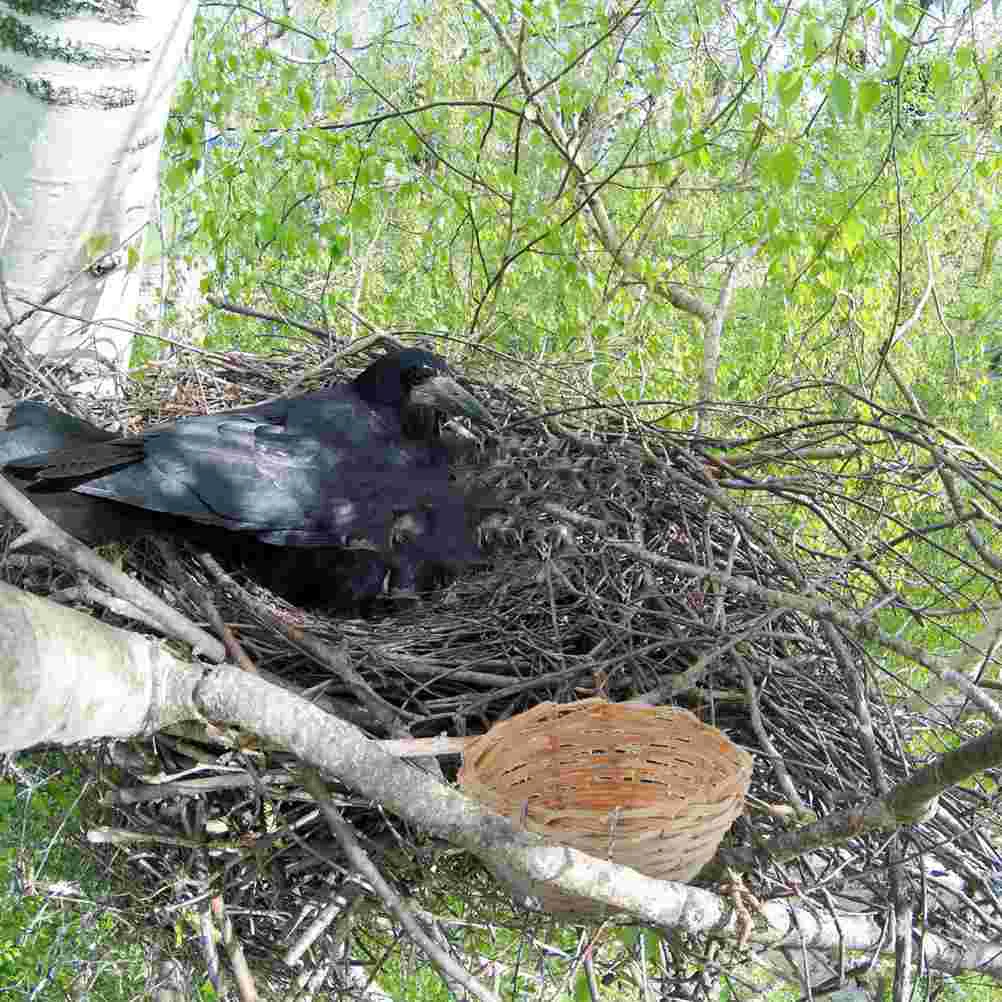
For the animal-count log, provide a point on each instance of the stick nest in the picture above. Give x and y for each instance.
(759, 580)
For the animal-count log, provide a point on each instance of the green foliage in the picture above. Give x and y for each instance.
(420, 185)
(56, 939)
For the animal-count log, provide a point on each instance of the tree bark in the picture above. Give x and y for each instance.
(66, 678)
(85, 98)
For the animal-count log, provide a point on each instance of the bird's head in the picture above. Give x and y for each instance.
(416, 380)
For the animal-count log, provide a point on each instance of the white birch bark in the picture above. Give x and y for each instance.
(66, 678)
(83, 105)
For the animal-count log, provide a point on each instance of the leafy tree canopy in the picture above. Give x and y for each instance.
(565, 180)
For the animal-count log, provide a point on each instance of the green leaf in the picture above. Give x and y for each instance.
(939, 76)
(132, 258)
(628, 935)
(652, 944)
(900, 47)
(96, 245)
(265, 226)
(304, 97)
(841, 96)
(816, 38)
(852, 233)
(789, 84)
(867, 96)
(360, 213)
(810, 42)
(701, 155)
(176, 177)
(783, 166)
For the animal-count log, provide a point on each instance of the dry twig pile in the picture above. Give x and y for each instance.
(764, 582)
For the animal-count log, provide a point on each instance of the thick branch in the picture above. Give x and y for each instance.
(910, 802)
(66, 678)
(44, 532)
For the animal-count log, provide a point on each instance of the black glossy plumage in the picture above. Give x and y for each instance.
(358, 462)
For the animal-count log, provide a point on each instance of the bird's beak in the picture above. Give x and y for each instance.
(446, 395)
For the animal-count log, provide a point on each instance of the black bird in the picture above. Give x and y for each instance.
(359, 464)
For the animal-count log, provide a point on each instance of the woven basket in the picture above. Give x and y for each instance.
(653, 788)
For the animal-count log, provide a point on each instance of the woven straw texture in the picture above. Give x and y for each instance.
(653, 788)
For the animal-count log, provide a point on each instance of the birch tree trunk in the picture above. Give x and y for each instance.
(84, 96)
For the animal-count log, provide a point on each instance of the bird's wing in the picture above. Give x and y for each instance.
(287, 487)
(37, 436)
(34, 430)
(337, 411)
(318, 470)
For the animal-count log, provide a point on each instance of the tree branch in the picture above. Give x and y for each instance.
(44, 532)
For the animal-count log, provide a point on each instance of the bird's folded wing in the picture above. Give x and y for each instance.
(35, 430)
(288, 488)
(314, 471)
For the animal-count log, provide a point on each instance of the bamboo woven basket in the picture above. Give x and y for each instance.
(653, 788)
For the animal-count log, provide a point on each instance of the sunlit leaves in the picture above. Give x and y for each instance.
(900, 47)
(789, 85)
(175, 178)
(817, 38)
(771, 130)
(852, 233)
(782, 167)
(841, 96)
(680, 113)
(987, 167)
(265, 227)
(867, 96)
(304, 98)
(939, 76)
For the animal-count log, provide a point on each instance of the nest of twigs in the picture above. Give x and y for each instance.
(595, 581)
